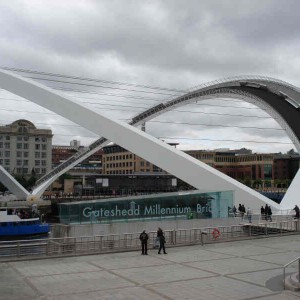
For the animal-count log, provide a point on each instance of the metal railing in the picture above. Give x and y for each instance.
(84, 245)
(288, 264)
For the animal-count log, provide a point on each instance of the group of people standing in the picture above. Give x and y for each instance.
(144, 237)
(266, 212)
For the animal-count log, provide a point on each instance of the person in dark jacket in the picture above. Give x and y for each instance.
(262, 212)
(297, 210)
(270, 213)
(162, 241)
(144, 240)
(267, 212)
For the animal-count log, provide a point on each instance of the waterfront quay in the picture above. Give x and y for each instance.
(245, 269)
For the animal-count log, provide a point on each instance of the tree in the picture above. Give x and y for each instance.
(22, 180)
(257, 183)
(287, 182)
(31, 182)
(247, 181)
(268, 183)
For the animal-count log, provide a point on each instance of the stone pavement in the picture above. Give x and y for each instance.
(249, 269)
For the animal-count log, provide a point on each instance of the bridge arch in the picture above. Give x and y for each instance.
(280, 98)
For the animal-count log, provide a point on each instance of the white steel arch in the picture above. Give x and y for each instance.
(160, 109)
(159, 153)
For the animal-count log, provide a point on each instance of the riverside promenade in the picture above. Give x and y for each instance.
(249, 269)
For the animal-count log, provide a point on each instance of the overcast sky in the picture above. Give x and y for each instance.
(168, 44)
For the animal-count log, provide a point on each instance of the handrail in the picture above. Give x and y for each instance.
(89, 244)
(288, 264)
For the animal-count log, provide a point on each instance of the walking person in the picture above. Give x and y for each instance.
(144, 241)
(162, 240)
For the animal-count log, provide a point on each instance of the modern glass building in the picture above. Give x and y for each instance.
(179, 205)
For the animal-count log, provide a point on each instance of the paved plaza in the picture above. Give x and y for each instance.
(249, 269)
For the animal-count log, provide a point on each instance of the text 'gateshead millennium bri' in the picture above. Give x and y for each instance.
(148, 210)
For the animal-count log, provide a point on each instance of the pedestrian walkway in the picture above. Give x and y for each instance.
(250, 269)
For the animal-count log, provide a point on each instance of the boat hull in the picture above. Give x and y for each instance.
(24, 230)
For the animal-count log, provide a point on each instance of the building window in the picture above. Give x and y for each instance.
(19, 153)
(37, 147)
(37, 154)
(37, 162)
(25, 162)
(7, 154)
(25, 138)
(19, 162)
(43, 171)
(19, 138)
(268, 171)
(6, 162)
(19, 145)
(7, 138)
(25, 146)
(25, 154)
(44, 154)
(1, 144)
(7, 145)
(44, 147)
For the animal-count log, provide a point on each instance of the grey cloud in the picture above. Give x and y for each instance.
(172, 43)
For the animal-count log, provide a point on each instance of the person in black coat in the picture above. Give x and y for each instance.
(296, 209)
(144, 240)
(162, 240)
(270, 213)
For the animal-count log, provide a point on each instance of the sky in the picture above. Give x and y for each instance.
(155, 50)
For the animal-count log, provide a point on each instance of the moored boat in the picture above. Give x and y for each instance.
(11, 225)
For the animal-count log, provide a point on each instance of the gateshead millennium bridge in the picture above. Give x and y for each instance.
(279, 99)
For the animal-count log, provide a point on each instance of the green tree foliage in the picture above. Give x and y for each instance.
(26, 183)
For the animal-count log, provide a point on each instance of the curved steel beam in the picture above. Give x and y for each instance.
(181, 165)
